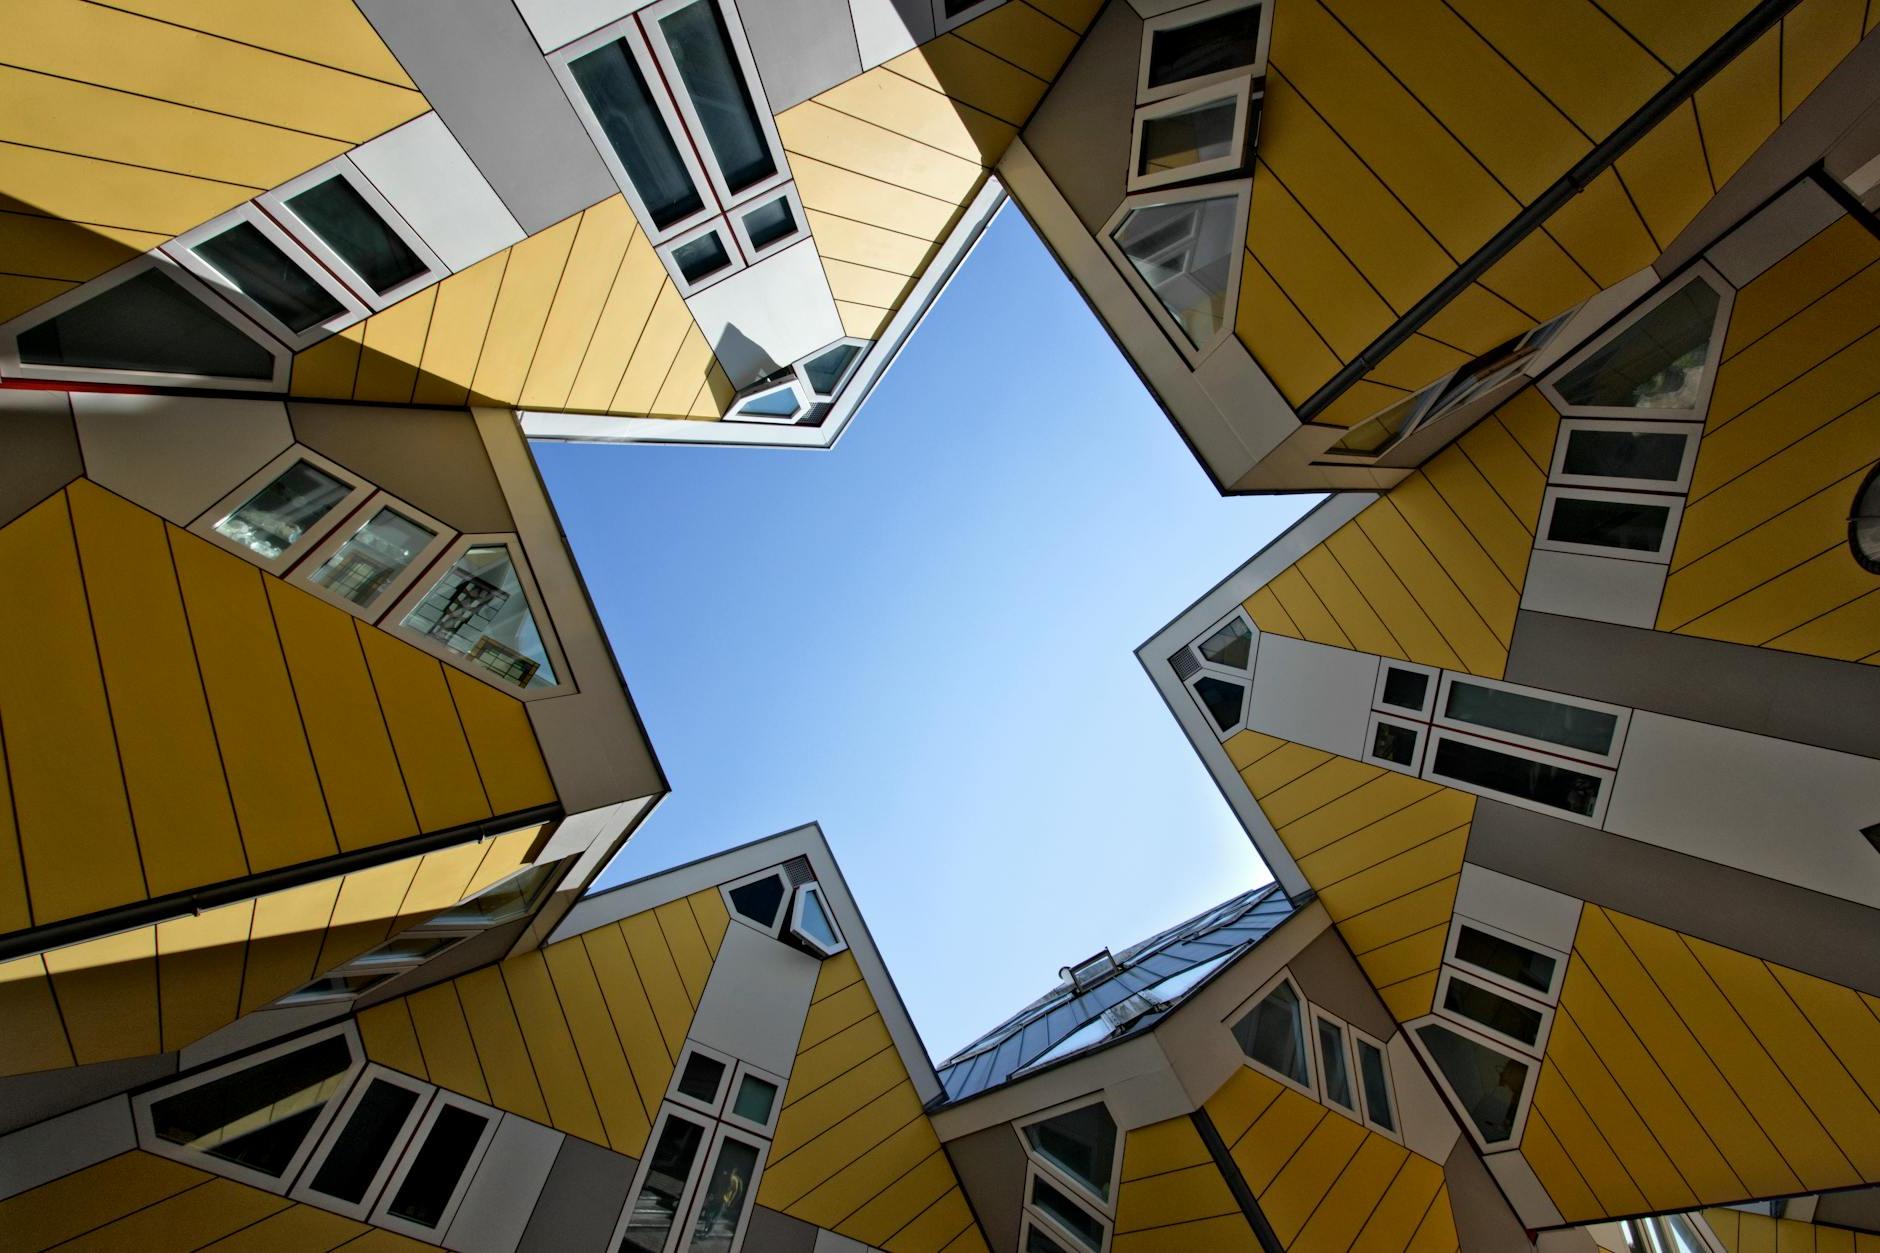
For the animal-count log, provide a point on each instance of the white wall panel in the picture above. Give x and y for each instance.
(1523, 1189)
(1428, 1126)
(1515, 905)
(558, 22)
(756, 1000)
(433, 183)
(502, 1195)
(884, 29)
(1606, 589)
(769, 314)
(1312, 694)
(1796, 217)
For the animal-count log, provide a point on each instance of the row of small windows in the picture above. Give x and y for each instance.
(786, 903)
(803, 392)
(1074, 1158)
(1319, 1054)
(1217, 670)
(309, 520)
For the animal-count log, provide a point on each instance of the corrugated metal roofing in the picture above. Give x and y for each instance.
(1009, 1049)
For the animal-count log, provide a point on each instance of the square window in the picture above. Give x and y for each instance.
(1396, 743)
(1202, 44)
(1631, 525)
(373, 556)
(1201, 135)
(1608, 452)
(260, 268)
(283, 510)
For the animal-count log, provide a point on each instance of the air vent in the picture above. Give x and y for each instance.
(798, 871)
(1184, 663)
(1091, 971)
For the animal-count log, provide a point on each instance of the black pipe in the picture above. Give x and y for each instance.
(1236, 1183)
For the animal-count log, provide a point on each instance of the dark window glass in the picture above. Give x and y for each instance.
(1067, 1213)
(479, 610)
(826, 370)
(709, 72)
(1570, 726)
(150, 324)
(409, 948)
(1037, 1241)
(1210, 46)
(1634, 525)
(622, 103)
(1487, 1082)
(1175, 141)
(727, 1195)
(760, 900)
(656, 1207)
(264, 274)
(1231, 646)
(1656, 363)
(507, 901)
(702, 257)
(1337, 1070)
(259, 1116)
(1222, 699)
(1394, 743)
(1514, 962)
(1655, 455)
(1863, 524)
(337, 213)
(953, 8)
(439, 1164)
(1372, 1075)
(1509, 1018)
(1558, 787)
(1274, 1034)
(770, 222)
(1405, 689)
(272, 520)
(1081, 1143)
(701, 1077)
(365, 1142)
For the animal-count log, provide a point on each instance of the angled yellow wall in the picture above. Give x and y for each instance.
(854, 1152)
(1758, 1233)
(1173, 1198)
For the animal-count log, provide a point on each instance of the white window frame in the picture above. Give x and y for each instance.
(1463, 1117)
(275, 204)
(1594, 819)
(1431, 673)
(942, 23)
(367, 961)
(1390, 1085)
(445, 1099)
(1221, 667)
(182, 251)
(1106, 1205)
(12, 367)
(1311, 1086)
(796, 904)
(694, 1178)
(1537, 1048)
(1238, 90)
(1246, 699)
(715, 224)
(674, 1095)
(668, 70)
(1692, 432)
(303, 1187)
(793, 384)
(360, 491)
(1726, 298)
(1420, 729)
(414, 591)
(301, 572)
(1187, 16)
(627, 30)
(1661, 555)
(1239, 191)
(1077, 1197)
(306, 995)
(783, 909)
(764, 1129)
(448, 920)
(1621, 715)
(752, 253)
(1489, 978)
(802, 366)
(1354, 1111)
(151, 1142)
(1027, 1222)
(688, 1216)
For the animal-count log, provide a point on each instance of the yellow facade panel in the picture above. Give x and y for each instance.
(941, 1226)
(1601, 231)
(687, 373)
(1633, 1141)
(658, 343)
(509, 760)
(15, 912)
(1538, 278)
(1789, 539)
(602, 1057)
(1840, 251)
(1519, 482)
(1816, 35)
(1280, 338)
(900, 1200)
(1411, 912)
(636, 289)
(391, 1037)
(821, 133)
(860, 198)
(1847, 633)
(1553, 1165)
(1418, 361)
(564, 1082)
(1309, 1175)
(1275, 1136)
(327, 32)
(973, 76)
(1327, 289)
(1423, 865)
(850, 1047)
(659, 974)
(1666, 174)
(1613, 1189)
(822, 1141)
(433, 754)
(1235, 1106)
(816, 1113)
(460, 319)
(711, 916)
(392, 348)
(1023, 35)
(1308, 612)
(1417, 637)
(450, 1055)
(1585, 63)
(530, 281)
(328, 370)
(51, 248)
(362, 915)
(1790, 600)
(35, 1037)
(1176, 1196)
(1677, 31)
(497, 1034)
(1317, 788)
(1476, 321)
(1382, 816)
(1414, 955)
(1362, 398)
(687, 945)
(1284, 764)
(284, 944)
(1347, 603)
(1411, 998)
(1354, 1196)
(860, 284)
(19, 293)
(107, 995)
(1825, 351)
(862, 321)
(1445, 519)
(199, 971)
(913, 1147)
(1738, 107)
(632, 1014)
(1160, 1147)
(923, 114)
(80, 189)
(602, 236)
(1416, 1189)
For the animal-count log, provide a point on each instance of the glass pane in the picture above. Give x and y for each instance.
(1337, 1072)
(1376, 433)
(1222, 699)
(1210, 46)
(1863, 528)
(376, 553)
(617, 93)
(150, 324)
(339, 215)
(702, 257)
(1487, 1082)
(1656, 363)
(256, 1117)
(1184, 252)
(770, 222)
(812, 921)
(1654, 455)
(365, 1142)
(1405, 689)
(339, 987)
(756, 1098)
(1274, 1034)
(1067, 1213)
(1394, 743)
(760, 901)
(505, 902)
(1509, 1018)
(709, 72)
(1637, 526)
(1175, 141)
(1555, 786)
(263, 273)
(1232, 645)
(479, 610)
(1514, 962)
(826, 370)
(438, 1166)
(727, 1194)
(1081, 1143)
(408, 948)
(656, 1207)
(1376, 1085)
(272, 520)
(1086, 1035)
(781, 402)
(1173, 988)
(1589, 730)
(701, 1078)
(1037, 1241)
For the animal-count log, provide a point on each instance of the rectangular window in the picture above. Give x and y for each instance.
(1070, 1217)
(1556, 787)
(701, 257)
(1542, 720)
(1600, 452)
(341, 218)
(260, 268)
(1335, 1064)
(637, 128)
(1380, 1108)
(723, 1203)
(1513, 963)
(1488, 1087)
(1202, 44)
(362, 1148)
(699, 1078)
(1181, 250)
(279, 513)
(1395, 742)
(1405, 687)
(431, 1180)
(1202, 134)
(1609, 524)
(769, 224)
(1504, 1017)
(666, 1180)
(364, 567)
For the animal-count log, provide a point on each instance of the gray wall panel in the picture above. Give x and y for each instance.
(581, 1201)
(1080, 133)
(40, 452)
(1331, 978)
(434, 458)
(802, 47)
(991, 1167)
(477, 64)
(27, 1099)
(773, 1232)
(1484, 1219)
(1859, 1209)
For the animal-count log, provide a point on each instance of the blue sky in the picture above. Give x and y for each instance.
(923, 639)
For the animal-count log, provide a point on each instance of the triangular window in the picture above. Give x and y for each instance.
(1661, 361)
(1274, 1034)
(1081, 1144)
(480, 611)
(149, 323)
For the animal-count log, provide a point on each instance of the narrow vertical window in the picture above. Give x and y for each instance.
(623, 104)
(714, 82)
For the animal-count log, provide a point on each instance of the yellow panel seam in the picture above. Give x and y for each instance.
(337, 69)
(879, 1192)
(469, 744)
(1741, 349)
(1463, 826)
(580, 1064)
(594, 330)
(1561, 1078)
(476, 1053)
(888, 1047)
(1291, 304)
(923, 1213)
(607, 1012)
(1650, 1129)
(1368, 603)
